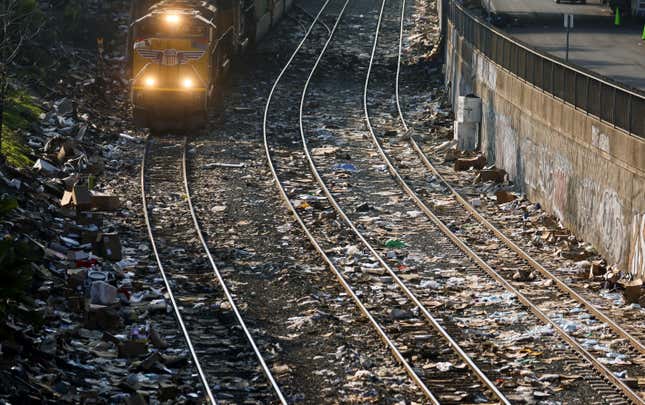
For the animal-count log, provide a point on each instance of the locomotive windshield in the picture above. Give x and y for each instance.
(171, 26)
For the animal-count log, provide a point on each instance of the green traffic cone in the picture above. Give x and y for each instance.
(617, 17)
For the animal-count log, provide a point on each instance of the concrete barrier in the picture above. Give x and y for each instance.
(586, 172)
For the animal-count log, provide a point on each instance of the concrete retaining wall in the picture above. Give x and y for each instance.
(587, 173)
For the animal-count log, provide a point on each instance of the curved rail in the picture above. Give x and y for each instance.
(217, 273)
(428, 316)
(604, 371)
(397, 354)
(297, 21)
(308, 14)
(184, 331)
(635, 342)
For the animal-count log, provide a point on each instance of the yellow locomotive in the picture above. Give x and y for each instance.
(178, 49)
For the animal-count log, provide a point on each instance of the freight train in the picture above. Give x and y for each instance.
(177, 50)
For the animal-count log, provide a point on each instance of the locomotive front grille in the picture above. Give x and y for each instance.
(169, 57)
(169, 101)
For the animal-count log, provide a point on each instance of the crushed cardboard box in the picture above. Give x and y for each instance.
(79, 197)
(466, 163)
(495, 175)
(86, 200)
(105, 202)
(632, 291)
(504, 196)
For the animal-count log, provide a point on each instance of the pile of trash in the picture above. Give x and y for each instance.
(72, 317)
(79, 307)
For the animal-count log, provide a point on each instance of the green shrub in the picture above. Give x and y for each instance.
(19, 113)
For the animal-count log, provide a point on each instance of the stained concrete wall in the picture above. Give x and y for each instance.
(587, 173)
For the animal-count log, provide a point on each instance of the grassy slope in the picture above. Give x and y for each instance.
(20, 112)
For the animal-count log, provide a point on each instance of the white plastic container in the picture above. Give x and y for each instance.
(466, 135)
(469, 109)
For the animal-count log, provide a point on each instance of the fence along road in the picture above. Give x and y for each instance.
(612, 102)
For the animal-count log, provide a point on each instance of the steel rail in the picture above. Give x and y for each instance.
(427, 315)
(308, 14)
(182, 326)
(331, 199)
(348, 289)
(297, 21)
(222, 283)
(604, 371)
(635, 342)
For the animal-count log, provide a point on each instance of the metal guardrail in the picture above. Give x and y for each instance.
(611, 102)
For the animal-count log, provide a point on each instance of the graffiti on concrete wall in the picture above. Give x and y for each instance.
(485, 79)
(610, 218)
(552, 169)
(485, 70)
(555, 173)
(592, 207)
(506, 150)
(600, 212)
(535, 166)
(637, 253)
(560, 175)
(599, 139)
(585, 203)
(572, 195)
(542, 171)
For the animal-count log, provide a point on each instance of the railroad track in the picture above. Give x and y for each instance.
(572, 363)
(633, 336)
(311, 17)
(415, 335)
(307, 14)
(222, 348)
(501, 264)
(418, 291)
(599, 307)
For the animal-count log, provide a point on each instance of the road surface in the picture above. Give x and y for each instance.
(595, 43)
(546, 7)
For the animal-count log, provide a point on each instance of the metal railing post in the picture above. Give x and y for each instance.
(575, 90)
(587, 96)
(613, 110)
(629, 113)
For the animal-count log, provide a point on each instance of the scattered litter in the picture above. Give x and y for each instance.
(345, 167)
(102, 293)
(394, 244)
(229, 165)
(45, 167)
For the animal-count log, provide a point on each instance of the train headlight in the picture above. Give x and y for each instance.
(187, 83)
(150, 81)
(172, 19)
